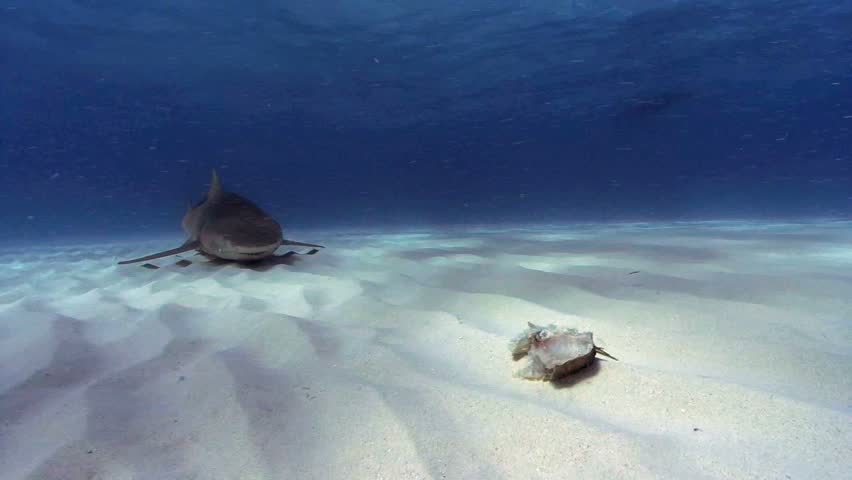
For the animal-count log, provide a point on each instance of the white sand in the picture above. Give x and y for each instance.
(385, 356)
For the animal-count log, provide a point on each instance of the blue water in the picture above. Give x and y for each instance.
(371, 113)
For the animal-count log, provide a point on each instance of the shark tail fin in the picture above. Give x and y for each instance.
(189, 245)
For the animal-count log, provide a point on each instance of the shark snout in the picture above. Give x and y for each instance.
(227, 249)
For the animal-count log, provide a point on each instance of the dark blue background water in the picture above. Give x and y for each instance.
(112, 112)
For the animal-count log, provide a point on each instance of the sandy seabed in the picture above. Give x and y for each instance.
(386, 356)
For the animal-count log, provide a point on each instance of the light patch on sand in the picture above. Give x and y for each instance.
(835, 254)
(386, 356)
(449, 260)
(558, 264)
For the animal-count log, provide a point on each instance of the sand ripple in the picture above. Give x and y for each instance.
(385, 357)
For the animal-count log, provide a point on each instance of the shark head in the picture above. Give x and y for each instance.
(236, 229)
(231, 227)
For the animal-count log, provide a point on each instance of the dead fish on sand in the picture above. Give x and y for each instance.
(228, 226)
(553, 352)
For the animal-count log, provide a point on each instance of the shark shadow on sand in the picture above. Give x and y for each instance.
(262, 265)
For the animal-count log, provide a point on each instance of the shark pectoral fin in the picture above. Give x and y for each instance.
(300, 244)
(189, 245)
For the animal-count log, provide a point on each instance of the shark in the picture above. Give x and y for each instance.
(227, 226)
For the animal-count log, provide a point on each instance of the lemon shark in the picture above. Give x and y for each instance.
(227, 226)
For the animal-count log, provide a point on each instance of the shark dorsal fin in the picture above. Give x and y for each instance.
(215, 188)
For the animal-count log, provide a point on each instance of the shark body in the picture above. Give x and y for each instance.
(227, 226)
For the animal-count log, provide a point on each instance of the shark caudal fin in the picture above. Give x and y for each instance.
(186, 247)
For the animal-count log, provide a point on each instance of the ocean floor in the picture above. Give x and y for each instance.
(386, 356)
